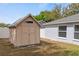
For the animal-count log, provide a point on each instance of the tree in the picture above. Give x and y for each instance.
(44, 15)
(58, 12)
(50, 15)
(71, 9)
(4, 25)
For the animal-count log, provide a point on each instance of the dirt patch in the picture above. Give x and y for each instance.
(45, 48)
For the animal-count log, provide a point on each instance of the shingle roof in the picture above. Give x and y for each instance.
(21, 19)
(69, 19)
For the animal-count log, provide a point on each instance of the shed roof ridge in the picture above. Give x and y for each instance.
(21, 19)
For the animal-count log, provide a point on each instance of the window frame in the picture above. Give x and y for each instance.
(76, 31)
(62, 31)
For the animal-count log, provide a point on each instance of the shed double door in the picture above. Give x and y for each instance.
(29, 34)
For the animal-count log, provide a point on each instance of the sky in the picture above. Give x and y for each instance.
(10, 12)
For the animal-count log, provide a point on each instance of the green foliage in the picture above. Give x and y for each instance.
(71, 9)
(58, 12)
(50, 15)
(44, 15)
(4, 25)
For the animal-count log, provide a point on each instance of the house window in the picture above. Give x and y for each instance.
(62, 31)
(76, 33)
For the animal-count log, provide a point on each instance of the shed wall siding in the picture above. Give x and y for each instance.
(12, 37)
(23, 31)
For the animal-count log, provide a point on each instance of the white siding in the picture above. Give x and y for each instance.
(4, 33)
(42, 33)
(70, 32)
(52, 34)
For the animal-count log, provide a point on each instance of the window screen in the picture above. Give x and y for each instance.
(62, 31)
(62, 28)
(62, 34)
(76, 33)
(76, 27)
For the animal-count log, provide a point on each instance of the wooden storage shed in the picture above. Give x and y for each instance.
(25, 31)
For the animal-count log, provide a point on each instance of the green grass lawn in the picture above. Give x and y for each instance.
(43, 49)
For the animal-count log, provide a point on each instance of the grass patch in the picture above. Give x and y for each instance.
(43, 49)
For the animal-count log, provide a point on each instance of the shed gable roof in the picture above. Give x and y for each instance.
(69, 19)
(22, 19)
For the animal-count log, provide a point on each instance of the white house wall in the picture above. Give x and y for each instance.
(42, 33)
(52, 34)
(70, 32)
